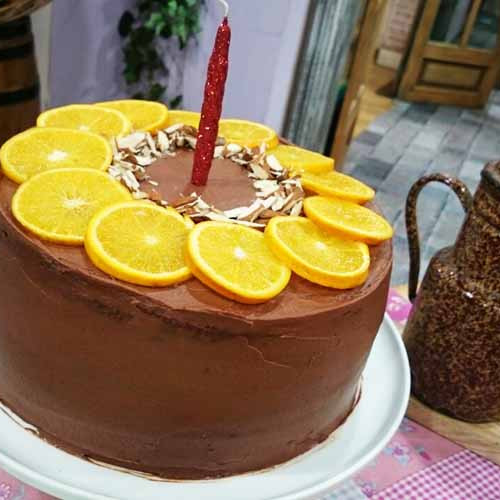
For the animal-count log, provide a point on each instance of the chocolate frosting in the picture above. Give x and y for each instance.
(228, 186)
(177, 381)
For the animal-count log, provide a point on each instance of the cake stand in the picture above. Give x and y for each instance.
(384, 398)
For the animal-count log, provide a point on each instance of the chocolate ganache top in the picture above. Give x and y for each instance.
(192, 302)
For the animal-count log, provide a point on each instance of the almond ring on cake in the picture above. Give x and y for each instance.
(277, 190)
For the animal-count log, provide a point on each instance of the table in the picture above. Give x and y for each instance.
(431, 457)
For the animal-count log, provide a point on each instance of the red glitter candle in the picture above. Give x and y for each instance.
(212, 105)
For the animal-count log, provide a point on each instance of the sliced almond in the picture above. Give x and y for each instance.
(274, 163)
(150, 141)
(269, 214)
(278, 204)
(191, 141)
(130, 181)
(258, 171)
(237, 212)
(291, 201)
(139, 195)
(131, 141)
(141, 175)
(202, 205)
(233, 148)
(174, 128)
(163, 141)
(215, 216)
(144, 161)
(240, 161)
(190, 130)
(114, 147)
(252, 211)
(297, 209)
(219, 152)
(126, 165)
(184, 200)
(267, 202)
(154, 195)
(266, 184)
(256, 225)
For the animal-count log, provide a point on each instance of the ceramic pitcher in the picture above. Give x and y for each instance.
(453, 333)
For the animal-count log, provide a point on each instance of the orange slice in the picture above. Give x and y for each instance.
(185, 117)
(236, 262)
(302, 160)
(337, 185)
(148, 116)
(247, 133)
(317, 256)
(348, 219)
(40, 149)
(139, 242)
(86, 117)
(57, 205)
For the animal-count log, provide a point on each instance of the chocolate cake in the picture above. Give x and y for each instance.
(177, 381)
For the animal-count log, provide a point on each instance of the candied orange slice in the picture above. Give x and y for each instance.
(347, 218)
(236, 262)
(39, 149)
(139, 242)
(185, 117)
(87, 117)
(337, 185)
(147, 116)
(57, 205)
(302, 160)
(249, 134)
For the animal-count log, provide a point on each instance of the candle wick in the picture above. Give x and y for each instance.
(226, 7)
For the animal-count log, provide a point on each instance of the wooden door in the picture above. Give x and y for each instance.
(363, 55)
(455, 55)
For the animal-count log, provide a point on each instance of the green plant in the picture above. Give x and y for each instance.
(141, 30)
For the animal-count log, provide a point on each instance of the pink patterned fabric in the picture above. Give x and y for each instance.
(412, 449)
(463, 476)
(12, 489)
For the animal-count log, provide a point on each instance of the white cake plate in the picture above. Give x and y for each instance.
(386, 389)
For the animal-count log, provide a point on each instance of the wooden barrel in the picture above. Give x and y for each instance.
(19, 87)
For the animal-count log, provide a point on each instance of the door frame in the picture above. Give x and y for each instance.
(363, 54)
(422, 48)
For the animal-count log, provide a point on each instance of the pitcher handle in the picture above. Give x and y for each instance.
(463, 195)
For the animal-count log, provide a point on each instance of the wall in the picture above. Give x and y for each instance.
(396, 32)
(266, 39)
(86, 58)
(41, 23)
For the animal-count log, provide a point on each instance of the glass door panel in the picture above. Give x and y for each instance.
(450, 22)
(484, 34)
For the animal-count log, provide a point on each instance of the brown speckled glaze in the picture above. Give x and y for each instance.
(453, 333)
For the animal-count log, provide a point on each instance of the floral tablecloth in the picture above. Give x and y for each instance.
(417, 464)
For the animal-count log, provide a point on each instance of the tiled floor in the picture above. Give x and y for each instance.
(412, 140)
